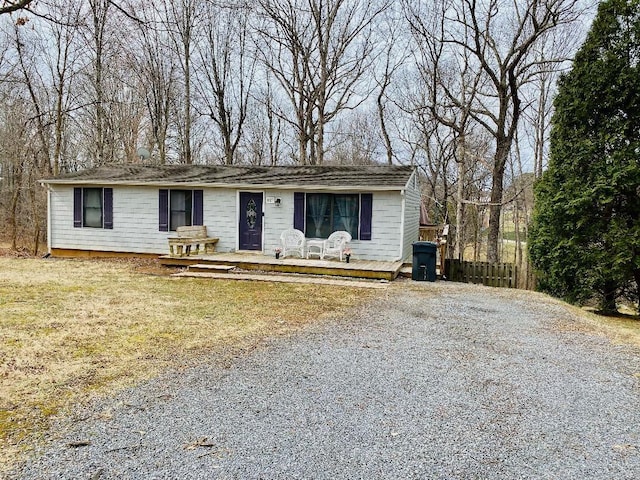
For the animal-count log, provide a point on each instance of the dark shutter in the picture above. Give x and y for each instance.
(197, 208)
(366, 209)
(298, 211)
(108, 208)
(163, 212)
(77, 207)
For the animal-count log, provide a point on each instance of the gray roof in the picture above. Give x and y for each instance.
(354, 177)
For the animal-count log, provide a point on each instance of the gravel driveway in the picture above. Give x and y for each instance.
(442, 381)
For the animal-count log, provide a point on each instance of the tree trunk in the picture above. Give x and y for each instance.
(59, 126)
(187, 107)
(319, 153)
(383, 128)
(495, 206)
(13, 209)
(35, 212)
(99, 17)
(494, 226)
(608, 302)
(459, 249)
(636, 276)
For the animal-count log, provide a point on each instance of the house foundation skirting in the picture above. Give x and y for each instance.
(76, 253)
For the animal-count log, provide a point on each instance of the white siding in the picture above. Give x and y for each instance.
(385, 229)
(411, 217)
(385, 225)
(220, 216)
(135, 222)
(277, 219)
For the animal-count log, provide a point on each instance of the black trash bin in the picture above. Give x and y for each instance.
(424, 261)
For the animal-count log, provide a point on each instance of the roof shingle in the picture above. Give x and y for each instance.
(353, 176)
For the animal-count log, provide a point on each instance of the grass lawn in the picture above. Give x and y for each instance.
(622, 328)
(72, 329)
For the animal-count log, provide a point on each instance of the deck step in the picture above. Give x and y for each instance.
(305, 279)
(405, 272)
(202, 267)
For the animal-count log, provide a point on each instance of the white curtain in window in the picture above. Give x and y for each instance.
(93, 207)
(348, 210)
(180, 209)
(317, 205)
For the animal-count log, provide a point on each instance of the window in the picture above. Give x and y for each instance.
(178, 208)
(93, 207)
(326, 213)
(320, 214)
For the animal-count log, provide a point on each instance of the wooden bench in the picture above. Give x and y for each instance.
(192, 236)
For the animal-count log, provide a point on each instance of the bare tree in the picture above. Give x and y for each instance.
(9, 6)
(98, 38)
(319, 52)
(355, 141)
(393, 58)
(33, 82)
(63, 66)
(451, 89)
(226, 73)
(156, 65)
(498, 39)
(538, 94)
(274, 123)
(180, 18)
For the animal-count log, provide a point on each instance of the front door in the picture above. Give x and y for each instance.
(250, 227)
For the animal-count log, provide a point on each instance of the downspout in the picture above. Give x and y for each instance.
(48, 187)
(402, 220)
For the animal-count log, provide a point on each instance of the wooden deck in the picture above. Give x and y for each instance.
(248, 261)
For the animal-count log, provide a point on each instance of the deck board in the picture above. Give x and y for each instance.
(249, 261)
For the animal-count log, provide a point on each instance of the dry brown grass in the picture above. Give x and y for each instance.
(621, 329)
(71, 329)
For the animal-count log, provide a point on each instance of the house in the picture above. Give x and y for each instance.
(134, 208)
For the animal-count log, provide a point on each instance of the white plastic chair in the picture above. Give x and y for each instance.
(292, 241)
(336, 243)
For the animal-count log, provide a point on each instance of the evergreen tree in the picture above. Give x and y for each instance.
(585, 236)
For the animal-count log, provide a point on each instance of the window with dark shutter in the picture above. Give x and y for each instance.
(77, 207)
(330, 212)
(298, 211)
(163, 211)
(320, 214)
(92, 207)
(108, 208)
(178, 208)
(198, 217)
(366, 211)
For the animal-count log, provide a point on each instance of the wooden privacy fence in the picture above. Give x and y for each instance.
(489, 274)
